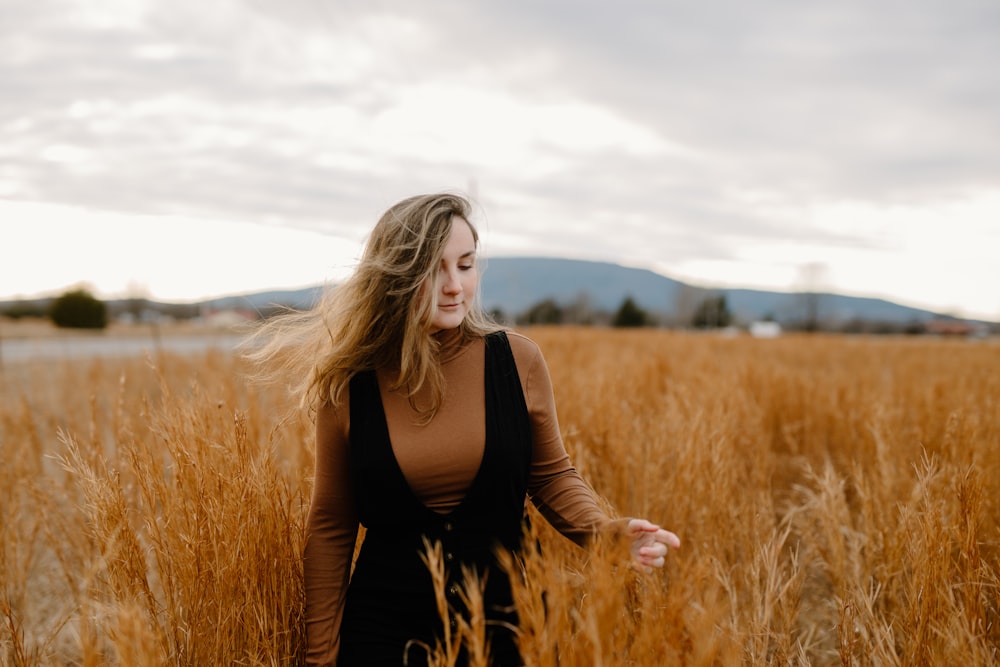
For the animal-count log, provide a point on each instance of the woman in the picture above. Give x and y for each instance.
(433, 425)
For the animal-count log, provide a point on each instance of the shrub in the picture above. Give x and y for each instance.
(79, 309)
(630, 315)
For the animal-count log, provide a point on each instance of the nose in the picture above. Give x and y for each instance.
(452, 285)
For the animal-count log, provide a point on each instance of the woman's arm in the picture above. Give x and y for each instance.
(555, 486)
(331, 532)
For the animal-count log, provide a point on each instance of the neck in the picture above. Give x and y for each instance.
(450, 342)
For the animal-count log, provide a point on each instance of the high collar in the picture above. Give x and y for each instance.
(452, 343)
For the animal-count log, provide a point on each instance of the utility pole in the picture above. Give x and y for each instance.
(811, 277)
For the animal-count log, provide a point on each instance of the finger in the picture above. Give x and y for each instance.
(647, 564)
(642, 526)
(657, 550)
(668, 538)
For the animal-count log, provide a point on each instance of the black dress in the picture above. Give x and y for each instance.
(390, 607)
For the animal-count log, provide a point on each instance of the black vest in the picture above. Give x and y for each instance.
(391, 598)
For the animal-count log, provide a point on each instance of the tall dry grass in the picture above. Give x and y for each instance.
(152, 513)
(836, 498)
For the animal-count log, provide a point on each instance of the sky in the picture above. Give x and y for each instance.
(185, 149)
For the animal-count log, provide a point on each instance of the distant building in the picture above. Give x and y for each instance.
(227, 317)
(765, 329)
(946, 327)
(146, 316)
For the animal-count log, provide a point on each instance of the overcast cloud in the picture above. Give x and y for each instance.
(732, 142)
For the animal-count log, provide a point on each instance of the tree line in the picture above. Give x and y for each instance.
(75, 309)
(80, 309)
(712, 312)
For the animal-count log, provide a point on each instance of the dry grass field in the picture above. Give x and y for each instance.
(836, 498)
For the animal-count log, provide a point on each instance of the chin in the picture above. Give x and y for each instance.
(445, 326)
(446, 323)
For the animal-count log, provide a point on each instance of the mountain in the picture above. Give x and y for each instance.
(514, 284)
(785, 307)
(301, 299)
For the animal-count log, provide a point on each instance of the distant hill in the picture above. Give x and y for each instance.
(514, 284)
(301, 299)
(785, 307)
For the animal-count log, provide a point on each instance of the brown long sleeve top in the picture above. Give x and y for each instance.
(440, 461)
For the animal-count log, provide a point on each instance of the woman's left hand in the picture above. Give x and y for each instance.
(649, 544)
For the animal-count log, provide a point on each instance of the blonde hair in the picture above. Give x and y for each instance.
(380, 317)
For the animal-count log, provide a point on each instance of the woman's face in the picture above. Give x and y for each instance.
(456, 278)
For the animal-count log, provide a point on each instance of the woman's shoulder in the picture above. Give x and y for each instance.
(526, 351)
(519, 340)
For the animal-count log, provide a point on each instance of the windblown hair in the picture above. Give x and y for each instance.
(380, 317)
